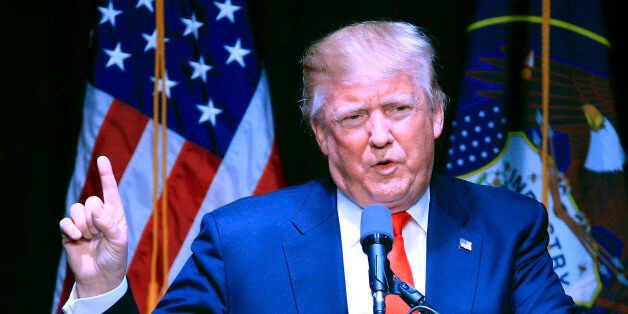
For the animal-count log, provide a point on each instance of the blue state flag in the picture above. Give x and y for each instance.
(496, 136)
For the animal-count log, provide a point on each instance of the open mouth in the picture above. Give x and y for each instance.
(385, 164)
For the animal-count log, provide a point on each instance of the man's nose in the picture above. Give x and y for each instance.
(380, 135)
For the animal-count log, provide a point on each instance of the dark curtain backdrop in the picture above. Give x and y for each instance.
(46, 44)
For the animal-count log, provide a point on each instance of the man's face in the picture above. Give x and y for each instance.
(379, 140)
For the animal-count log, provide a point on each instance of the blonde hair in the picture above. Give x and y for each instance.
(366, 52)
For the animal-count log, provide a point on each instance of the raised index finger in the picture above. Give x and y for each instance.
(110, 192)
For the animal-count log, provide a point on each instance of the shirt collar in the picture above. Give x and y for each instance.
(350, 213)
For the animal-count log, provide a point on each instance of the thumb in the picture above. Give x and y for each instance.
(113, 230)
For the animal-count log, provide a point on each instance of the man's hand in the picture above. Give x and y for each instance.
(95, 238)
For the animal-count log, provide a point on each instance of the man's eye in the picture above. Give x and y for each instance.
(399, 111)
(354, 120)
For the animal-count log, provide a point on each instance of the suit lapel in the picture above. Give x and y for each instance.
(452, 269)
(315, 258)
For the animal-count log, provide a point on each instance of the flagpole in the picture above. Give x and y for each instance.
(164, 149)
(159, 95)
(545, 81)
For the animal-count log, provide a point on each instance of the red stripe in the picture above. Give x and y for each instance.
(188, 182)
(273, 177)
(117, 138)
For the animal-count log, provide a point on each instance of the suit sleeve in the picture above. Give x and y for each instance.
(536, 287)
(126, 304)
(201, 285)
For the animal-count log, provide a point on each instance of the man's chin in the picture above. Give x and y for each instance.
(387, 200)
(392, 196)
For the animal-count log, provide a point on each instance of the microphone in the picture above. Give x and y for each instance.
(376, 238)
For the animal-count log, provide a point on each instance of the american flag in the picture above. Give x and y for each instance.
(220, 138)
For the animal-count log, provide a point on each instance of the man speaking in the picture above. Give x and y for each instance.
(372, 100)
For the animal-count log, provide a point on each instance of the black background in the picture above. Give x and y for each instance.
(44, 70)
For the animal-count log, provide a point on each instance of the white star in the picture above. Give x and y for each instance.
(604, 270)
(237, 53)
(147, 3)
(464, 133)
(191, 26)
(169, 84)
(449, 165)
(536, 139)
(467, 119)
(116, 57)
(226, 10)
(462, 147)
(477, 129)
(460, 162)
(208, 113)
(481, 114)
(472, 158)
(151, 40)
(484, 154)
(487, 139)
(451, 151)
(109, 14)
(475, 143)
(200, 69)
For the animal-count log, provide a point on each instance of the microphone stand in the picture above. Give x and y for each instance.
(413, 298)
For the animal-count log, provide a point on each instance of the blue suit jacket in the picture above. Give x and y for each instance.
(281, 253)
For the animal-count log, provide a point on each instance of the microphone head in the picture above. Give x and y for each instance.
(375, 219)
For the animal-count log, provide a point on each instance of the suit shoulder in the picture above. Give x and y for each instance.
(277, 205)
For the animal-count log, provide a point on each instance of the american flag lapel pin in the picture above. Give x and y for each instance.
(467, 245)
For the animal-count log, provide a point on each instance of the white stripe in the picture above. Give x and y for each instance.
(95, 108)
(241, 168)
(136, 184)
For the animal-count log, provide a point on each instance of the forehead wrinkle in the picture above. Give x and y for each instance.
(339, 112)
(407, 99)
(381, 97)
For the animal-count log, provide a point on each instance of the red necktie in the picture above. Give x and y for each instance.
(399, 263)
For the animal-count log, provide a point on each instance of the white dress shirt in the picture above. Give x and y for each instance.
(356, 267)
(96, 304)
(359, 299)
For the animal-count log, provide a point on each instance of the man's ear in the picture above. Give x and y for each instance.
(438, 118)
(319, 133)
